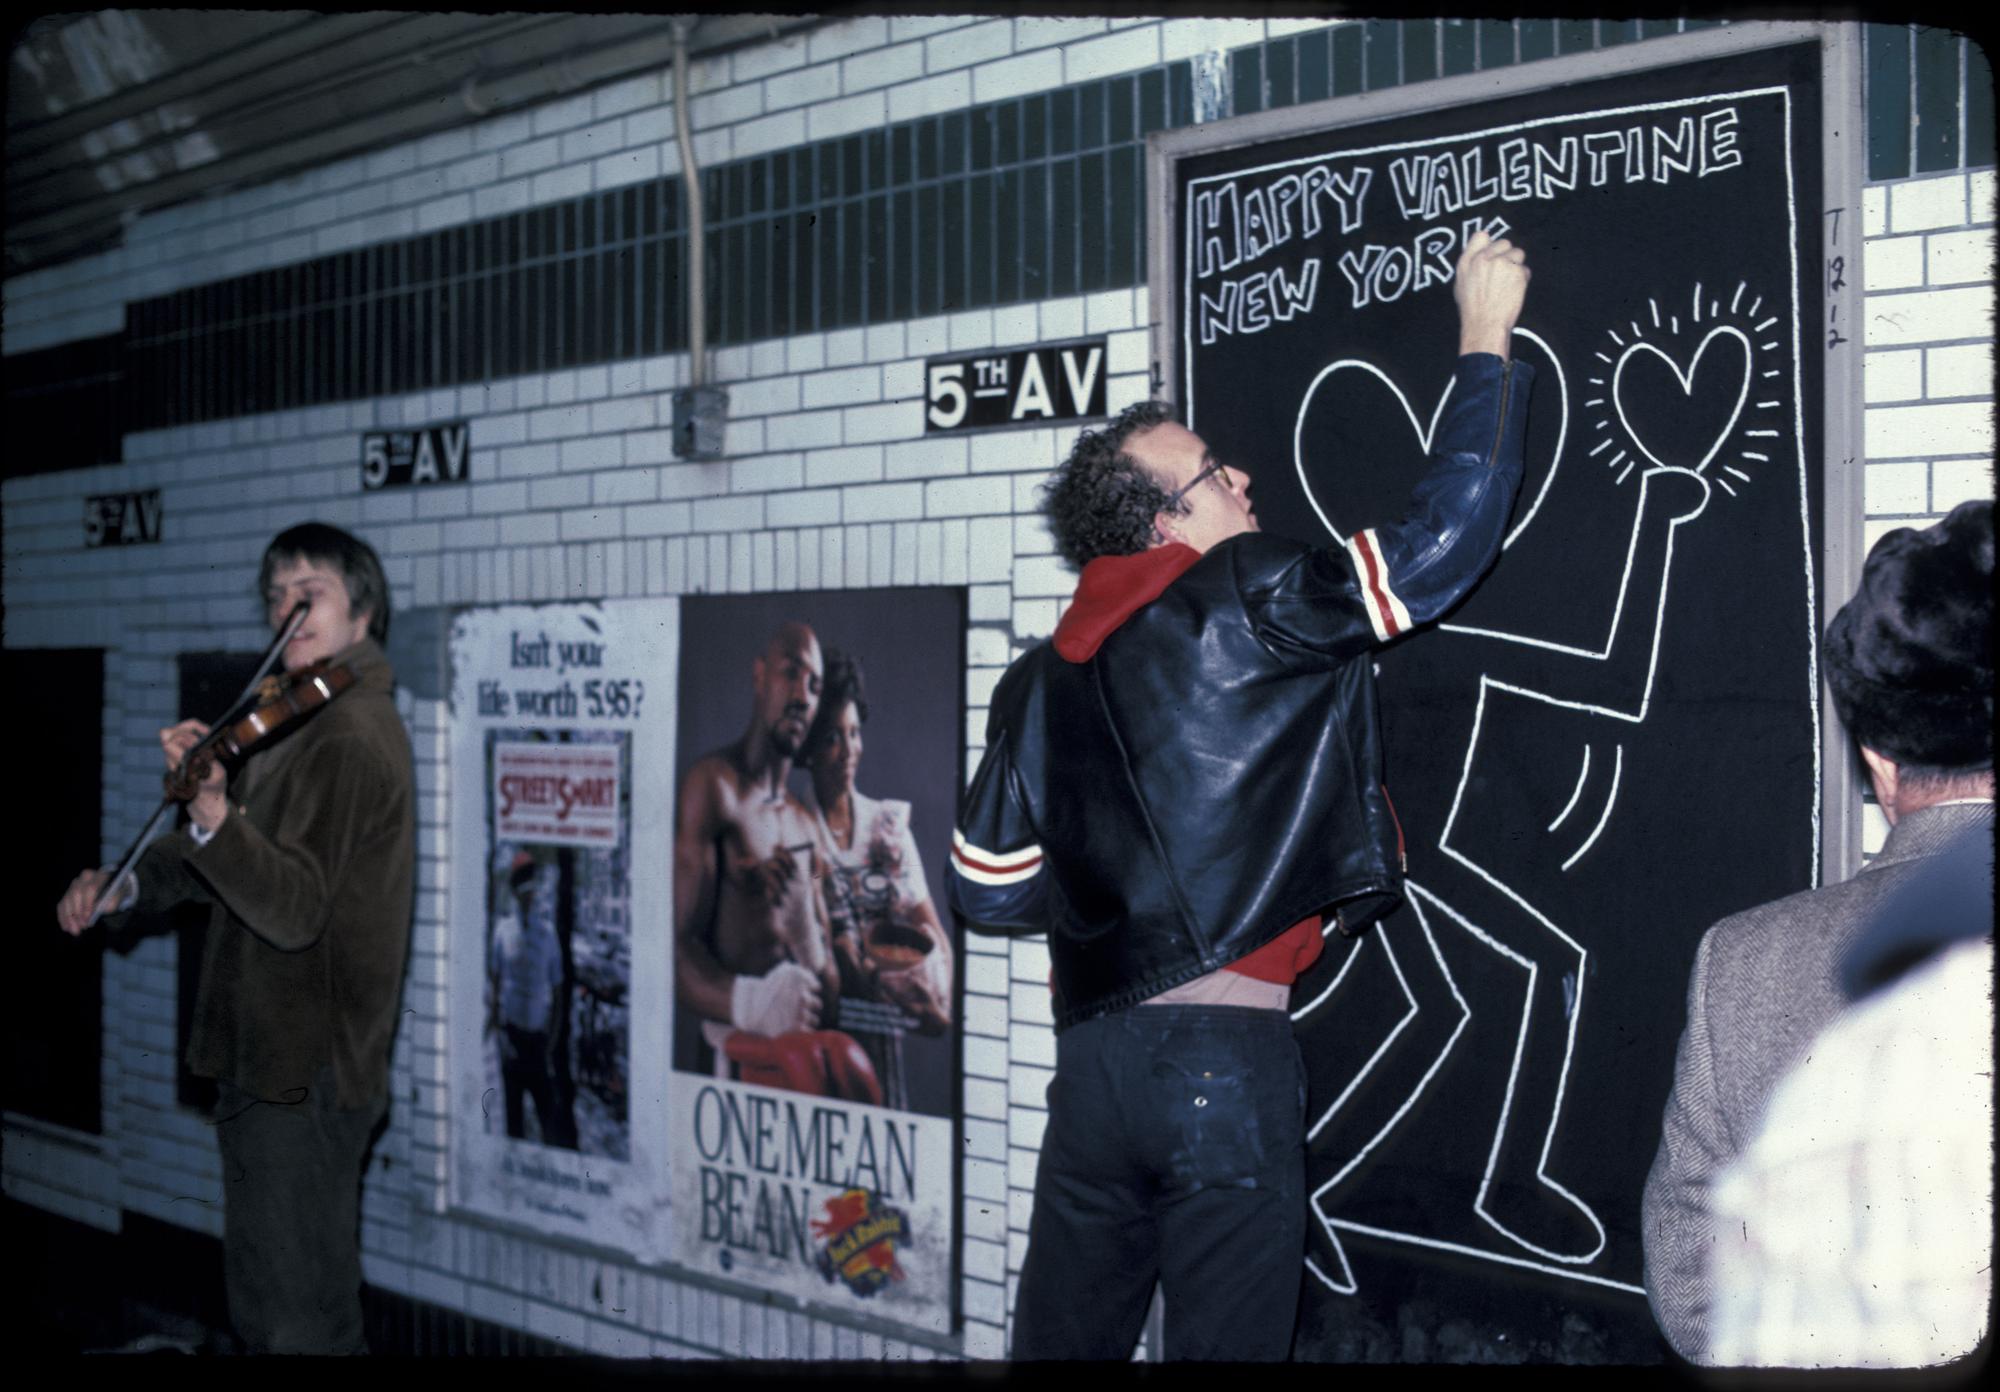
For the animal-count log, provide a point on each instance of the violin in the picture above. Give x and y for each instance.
(279, 703)
(282, 701)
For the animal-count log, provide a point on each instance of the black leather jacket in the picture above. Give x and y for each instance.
(1211, 774)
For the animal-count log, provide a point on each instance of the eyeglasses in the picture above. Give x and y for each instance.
(1215, 466)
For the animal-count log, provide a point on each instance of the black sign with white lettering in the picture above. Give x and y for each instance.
(122, 519)
(1025, 386)
(404, 458)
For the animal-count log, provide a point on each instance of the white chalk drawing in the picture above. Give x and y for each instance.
(1548, 1227)
(1329, 380)
(1227, 226)
(1582, 777)
(1628, 446)
(1736, 372)
(1506, 922)
(1706, 360)
(1610, 801)
(1341, 1278)
(1344, 1282)
(1726, 334)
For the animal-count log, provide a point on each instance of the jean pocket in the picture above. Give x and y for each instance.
(1216, 1121)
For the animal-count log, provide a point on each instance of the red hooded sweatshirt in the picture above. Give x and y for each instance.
(1111, 590)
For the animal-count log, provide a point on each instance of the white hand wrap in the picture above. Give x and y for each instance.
(784, 999)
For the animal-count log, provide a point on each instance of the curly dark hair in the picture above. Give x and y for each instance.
(841, 683)
(1101, 501)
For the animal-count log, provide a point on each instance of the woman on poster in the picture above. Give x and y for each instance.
(894, 957)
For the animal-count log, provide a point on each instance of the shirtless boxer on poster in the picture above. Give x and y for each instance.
(752, 951)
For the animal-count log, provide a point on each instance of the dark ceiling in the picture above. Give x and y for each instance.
(113, 113)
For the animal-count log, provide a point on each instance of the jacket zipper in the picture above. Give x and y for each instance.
(1506, 394)
(1402, 853)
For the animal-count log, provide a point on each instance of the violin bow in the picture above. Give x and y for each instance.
(145, 836)
(271, 654)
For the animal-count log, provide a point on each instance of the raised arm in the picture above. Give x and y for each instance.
(1615, 674)
(1420, 566)
(1414, 570)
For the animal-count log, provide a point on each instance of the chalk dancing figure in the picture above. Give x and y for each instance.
(1604, 692)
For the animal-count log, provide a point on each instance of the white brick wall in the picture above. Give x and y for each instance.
(571, 500)
(830, 482)
(1927, 328)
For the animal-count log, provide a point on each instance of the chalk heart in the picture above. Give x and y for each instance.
(1678, 427)
(1342, 383)
(1357, 394)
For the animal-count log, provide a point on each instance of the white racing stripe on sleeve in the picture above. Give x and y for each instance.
(980, 866)
(1386, 613)
(972, 874)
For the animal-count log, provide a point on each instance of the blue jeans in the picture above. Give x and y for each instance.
(1175, 1152)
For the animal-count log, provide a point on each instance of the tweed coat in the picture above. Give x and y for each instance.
(1765, 983)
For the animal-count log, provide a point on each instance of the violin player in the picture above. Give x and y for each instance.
(306, 853)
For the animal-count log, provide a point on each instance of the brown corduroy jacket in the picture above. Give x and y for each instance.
(310, 879)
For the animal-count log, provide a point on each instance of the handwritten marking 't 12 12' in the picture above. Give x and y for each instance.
(1836, 281)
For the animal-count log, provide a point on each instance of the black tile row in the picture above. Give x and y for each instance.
(1023, 199)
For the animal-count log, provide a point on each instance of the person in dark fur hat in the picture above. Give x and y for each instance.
(1909, 662)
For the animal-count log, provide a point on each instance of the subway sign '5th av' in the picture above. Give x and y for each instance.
(1015, 387)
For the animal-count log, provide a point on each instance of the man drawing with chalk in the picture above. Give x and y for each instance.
(1181, 790)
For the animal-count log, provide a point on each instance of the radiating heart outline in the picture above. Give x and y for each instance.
(1424, 432)
(1686, 379)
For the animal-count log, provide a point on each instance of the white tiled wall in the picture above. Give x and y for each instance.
(1927, 330)
(828, 482)
(1928, 277)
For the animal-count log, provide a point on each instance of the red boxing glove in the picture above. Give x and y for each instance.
(820, 1063)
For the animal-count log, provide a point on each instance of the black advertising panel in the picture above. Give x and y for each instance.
(54, 987)
(1615, 741)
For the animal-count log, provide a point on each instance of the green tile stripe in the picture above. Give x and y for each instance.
(1026, 199)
